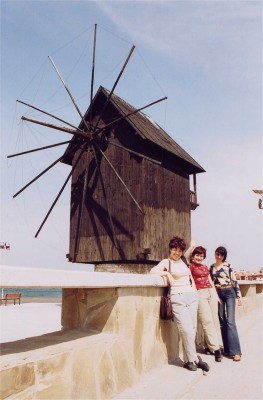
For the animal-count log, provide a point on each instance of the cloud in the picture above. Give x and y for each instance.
(220, 38)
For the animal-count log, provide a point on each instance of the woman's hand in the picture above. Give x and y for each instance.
(193, 243)
(170, 279)
(239, 302)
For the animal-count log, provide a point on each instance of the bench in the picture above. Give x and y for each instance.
(12, 297)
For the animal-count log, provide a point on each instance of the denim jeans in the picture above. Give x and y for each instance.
(227, 318)
(185, 315)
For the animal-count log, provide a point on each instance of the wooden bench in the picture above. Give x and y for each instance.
(12, 297)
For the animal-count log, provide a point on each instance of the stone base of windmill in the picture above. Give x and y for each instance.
(125, 268)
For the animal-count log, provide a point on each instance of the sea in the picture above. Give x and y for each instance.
(33, 292)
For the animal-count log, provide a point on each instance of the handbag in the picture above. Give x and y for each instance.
(166, 309)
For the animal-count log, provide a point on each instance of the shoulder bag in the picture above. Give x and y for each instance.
(166, 309)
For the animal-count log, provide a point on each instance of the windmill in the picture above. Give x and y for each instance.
(130, 189)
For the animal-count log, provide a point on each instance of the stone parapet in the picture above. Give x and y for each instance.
(55, 278)
(111, 336)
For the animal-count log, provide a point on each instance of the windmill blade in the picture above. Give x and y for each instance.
(129, 114)
(46, 113)
(119, 177)
(135, 153)
(92, 72)
(38, 149)
(60, 192)
(70, 95)
(38, 176)
(86, 135)
(106, 200)
(114, 86)
(41, 173)
(76, 247)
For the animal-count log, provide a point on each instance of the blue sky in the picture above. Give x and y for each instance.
(205, 56)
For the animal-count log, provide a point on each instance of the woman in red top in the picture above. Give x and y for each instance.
(208, 301)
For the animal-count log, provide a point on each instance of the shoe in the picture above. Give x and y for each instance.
(208, 352)
(201, 364)
(218, 355)
(190, 365)
(237, 357)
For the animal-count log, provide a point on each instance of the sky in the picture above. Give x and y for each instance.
(205, 56)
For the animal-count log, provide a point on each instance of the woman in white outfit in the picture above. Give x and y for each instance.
(184, 300)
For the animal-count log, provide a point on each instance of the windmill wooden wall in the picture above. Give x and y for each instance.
(162, 191)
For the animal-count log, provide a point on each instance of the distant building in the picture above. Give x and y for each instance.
(248, 275)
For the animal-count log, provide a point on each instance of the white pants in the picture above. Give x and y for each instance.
(185, 315)
(208, 318)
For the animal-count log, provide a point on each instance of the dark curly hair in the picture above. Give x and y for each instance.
(177, 242)
(199, 250)
(222, 251)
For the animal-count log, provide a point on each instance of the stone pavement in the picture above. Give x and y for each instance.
(226, 380)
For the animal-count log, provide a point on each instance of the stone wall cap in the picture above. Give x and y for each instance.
(15, 276)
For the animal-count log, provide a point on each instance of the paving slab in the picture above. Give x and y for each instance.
(226, 380)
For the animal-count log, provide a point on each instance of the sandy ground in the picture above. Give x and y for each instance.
(39, 300)
(33, 317)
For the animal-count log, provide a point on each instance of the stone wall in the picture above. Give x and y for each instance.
(111, 336)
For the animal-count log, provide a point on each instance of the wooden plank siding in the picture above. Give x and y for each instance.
(163, 195)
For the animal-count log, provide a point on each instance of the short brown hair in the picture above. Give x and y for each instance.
(199, 250)
(176, 241)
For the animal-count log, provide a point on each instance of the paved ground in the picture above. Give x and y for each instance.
(226, 380)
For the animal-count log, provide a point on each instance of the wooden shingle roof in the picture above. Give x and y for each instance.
(149, 129)
(145, 127)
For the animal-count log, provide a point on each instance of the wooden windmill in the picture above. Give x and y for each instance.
(130, 182)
